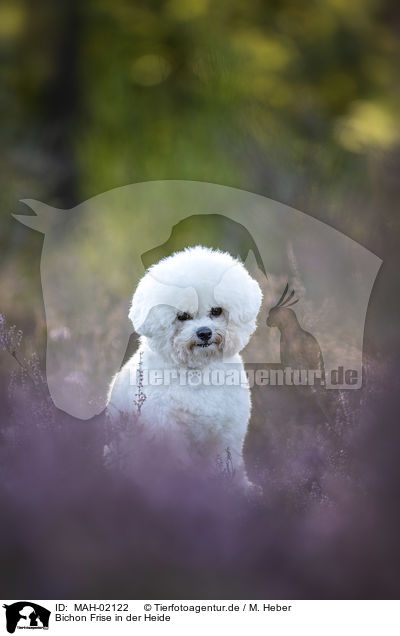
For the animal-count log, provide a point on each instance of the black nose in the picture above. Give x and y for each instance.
(204, 333)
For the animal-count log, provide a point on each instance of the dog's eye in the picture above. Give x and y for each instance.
(184, 316)
(216, 311)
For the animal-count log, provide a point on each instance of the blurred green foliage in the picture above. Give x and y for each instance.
(194, 89)
(295, 99)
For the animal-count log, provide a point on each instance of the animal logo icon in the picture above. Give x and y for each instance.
(299, 349)
(30, 614)
(194, 377)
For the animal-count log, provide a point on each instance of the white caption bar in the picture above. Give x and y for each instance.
(280, 618)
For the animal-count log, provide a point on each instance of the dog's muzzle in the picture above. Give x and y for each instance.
(204, 334)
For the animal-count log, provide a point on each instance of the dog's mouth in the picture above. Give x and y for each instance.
(206, 345)
(210, 346)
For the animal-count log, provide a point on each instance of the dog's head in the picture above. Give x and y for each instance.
(196, 306)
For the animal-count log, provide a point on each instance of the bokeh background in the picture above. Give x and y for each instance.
(297, 101)
(294, 100)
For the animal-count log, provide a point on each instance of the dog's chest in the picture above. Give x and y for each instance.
(205, 413)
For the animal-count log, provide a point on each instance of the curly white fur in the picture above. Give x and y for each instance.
(197, 289)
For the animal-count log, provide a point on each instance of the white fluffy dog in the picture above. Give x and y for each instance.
(195, 311)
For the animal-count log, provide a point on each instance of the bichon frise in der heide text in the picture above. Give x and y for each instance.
(195, 311)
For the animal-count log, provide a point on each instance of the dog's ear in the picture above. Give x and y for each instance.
(154, 304)
(240, 294)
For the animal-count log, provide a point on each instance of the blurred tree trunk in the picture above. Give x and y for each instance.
(57, 34)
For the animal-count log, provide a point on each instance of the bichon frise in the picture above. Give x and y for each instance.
(195, 311)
